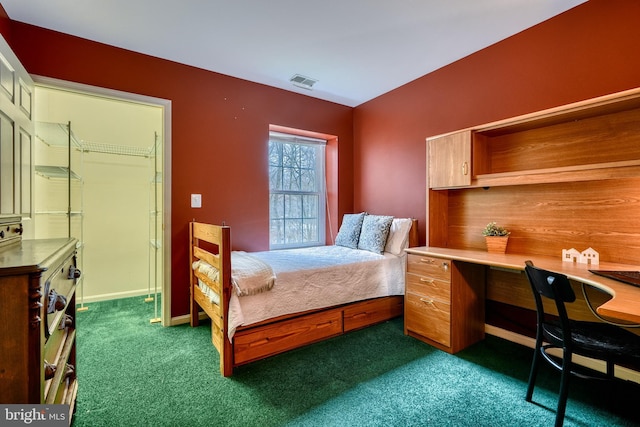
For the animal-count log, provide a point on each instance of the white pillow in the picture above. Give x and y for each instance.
(398, 238)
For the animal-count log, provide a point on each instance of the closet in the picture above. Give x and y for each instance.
(98, 178)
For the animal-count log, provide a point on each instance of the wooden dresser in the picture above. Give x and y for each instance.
(37, 321)
(444, 301)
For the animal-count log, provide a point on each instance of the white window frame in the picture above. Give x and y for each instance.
(280, 216)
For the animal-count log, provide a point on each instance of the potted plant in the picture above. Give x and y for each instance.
(496, 238)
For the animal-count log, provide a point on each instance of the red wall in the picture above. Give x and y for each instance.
(588, 51)
(5, 24)
(219, 127)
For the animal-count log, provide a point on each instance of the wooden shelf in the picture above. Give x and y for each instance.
(559, 178)
(589, 140)
(608, 104)
(603, 171)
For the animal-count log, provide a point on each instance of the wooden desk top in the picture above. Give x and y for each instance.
(624, 304)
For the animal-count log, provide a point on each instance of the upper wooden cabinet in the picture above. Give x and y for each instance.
(449, 160)
(585, 141)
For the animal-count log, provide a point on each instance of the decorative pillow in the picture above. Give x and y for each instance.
(398, 236)
(375, 229)
(349, 232)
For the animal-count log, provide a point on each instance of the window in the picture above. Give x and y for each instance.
(296, 191)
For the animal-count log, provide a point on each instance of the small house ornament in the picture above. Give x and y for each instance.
(589, 256)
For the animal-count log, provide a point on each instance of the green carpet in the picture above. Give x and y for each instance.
(134, 373)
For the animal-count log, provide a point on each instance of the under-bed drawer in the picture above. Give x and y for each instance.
(267, 340)
(372, 311)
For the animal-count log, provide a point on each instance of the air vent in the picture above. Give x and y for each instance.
(302, 81)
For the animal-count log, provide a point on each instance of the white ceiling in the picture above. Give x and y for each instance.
(356, 49)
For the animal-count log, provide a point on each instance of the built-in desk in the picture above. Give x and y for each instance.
(624, 304)
(446, 291)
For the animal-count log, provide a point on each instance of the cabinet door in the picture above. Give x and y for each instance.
(16, 131)
(449, 160)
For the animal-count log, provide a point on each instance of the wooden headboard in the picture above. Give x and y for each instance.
(414, 236)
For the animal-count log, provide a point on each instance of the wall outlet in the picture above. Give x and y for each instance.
(196, 200)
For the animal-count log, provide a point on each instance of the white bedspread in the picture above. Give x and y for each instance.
(317, 277)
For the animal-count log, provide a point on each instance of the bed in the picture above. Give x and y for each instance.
(264, 303)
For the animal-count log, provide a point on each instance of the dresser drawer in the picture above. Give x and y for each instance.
(435, 268)
(54, 345)
(58, 290)
(428, 317)
(57, 387)
(427, 286)
(66, 393)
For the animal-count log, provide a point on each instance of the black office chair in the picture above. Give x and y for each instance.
(595, 340)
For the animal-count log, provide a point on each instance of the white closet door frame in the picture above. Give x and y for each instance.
(165, 104)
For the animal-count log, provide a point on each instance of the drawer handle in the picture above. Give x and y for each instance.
(74, 273)
(324, 325)
(427, 300)
(445, 266)
(259, 342)
(57, 302)
(70, 371)
(427, 260)
(425, 280)
(67, 322)
(49, 370)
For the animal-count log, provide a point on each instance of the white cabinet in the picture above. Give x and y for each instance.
(16, 136)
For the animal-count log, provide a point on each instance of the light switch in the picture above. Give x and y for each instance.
(196, 200)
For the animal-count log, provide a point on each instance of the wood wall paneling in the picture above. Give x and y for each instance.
(544, 219)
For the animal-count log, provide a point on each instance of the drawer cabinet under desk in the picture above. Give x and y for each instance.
(444, 301)
(37, 322)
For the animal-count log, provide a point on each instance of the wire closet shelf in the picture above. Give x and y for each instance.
(122, 150)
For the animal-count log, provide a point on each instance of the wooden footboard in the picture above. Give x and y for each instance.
(211, 243)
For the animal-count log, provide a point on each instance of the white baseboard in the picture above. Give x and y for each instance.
(621, 372)
(114, 295)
